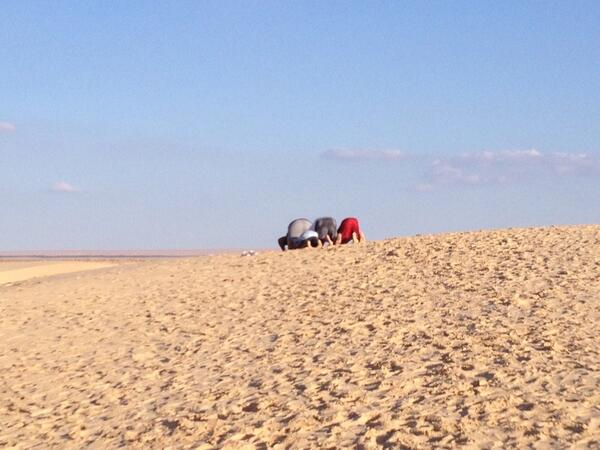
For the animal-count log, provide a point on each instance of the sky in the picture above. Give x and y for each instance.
(200, 124)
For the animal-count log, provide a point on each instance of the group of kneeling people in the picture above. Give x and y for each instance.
(302, 233)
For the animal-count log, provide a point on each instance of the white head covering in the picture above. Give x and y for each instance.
(309, 234)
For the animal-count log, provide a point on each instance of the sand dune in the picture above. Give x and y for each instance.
(486, 339)
(11, 272)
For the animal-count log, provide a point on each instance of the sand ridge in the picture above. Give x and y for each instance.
(11, 272)
(485, 339)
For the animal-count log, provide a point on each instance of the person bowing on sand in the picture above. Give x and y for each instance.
(349, 230)
(299, 235)
(326, 228)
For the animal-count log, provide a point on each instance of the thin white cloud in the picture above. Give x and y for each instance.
(424, 187)
(364, 155)
(500, 167)
(503, 156)
(64, 187)
(574, 164)
(7, 127)
(443, 172)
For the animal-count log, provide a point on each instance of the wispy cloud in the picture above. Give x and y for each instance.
(444, 172)
(424, 187)
(364, 155)
(574, 164)
(503, 157)
(64, 187)
(7, 127)
(500, 167)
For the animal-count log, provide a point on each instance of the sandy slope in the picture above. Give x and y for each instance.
(485, 339)
(11, 271)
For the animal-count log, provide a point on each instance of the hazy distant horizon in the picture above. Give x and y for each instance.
(116, 253)
(162, 252)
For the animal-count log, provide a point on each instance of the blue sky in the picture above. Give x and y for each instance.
(145, 125)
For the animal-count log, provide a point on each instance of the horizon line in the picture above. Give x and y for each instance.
(116, 253)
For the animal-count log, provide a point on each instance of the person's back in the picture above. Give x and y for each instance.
(294, 239)
(350, 231)
(297, 227)
(326, 227)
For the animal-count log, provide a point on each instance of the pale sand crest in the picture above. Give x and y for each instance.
(486, 339)
(11, 272)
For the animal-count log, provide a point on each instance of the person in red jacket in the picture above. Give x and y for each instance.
(349, 230)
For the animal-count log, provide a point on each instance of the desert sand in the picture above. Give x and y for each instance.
(484, 339)
(13, 271)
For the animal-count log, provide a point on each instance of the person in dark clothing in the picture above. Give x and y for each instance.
(326, 227)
